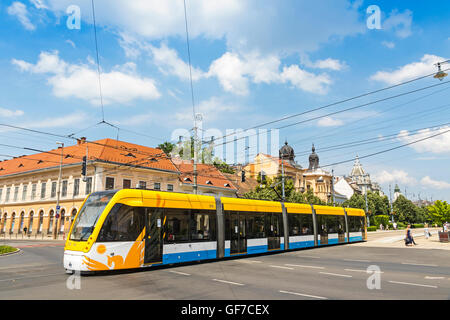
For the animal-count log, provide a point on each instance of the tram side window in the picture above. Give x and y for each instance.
(177, 226)
(354, 224)
(300, 225)
(274, 225)
(341, 224)
(203, 226)
(254, 225)
(123, 223)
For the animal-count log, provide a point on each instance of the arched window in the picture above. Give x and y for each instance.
(13, 220)
(21, 221)
(61, 221)
(30, 222)
(74, 213)
(41, 221)
(5, 219)
(50, 222)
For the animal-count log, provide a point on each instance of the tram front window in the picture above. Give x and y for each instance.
(89, 214)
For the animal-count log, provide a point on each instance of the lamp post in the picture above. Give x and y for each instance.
(55, 225)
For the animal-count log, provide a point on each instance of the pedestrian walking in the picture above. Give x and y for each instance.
(395, 225)
(427, 233)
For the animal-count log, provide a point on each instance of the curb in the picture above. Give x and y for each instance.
(10, 253)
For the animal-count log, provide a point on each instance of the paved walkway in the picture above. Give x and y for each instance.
(394, 239)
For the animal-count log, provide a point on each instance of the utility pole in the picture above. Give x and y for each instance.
(282, 179)
(55, 224)
(332, 186)
(197, 117)
(390, 203)
(365, 198)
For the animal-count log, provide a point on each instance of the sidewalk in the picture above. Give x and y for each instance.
(394, 239)
(38, 237)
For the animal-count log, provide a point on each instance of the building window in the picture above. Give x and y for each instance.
(126, 183)
(53, 192)
(170, 187)
(142, 185)
(1, 193)
(33, 191)
(88, 185)
(16, 193)
(43, 187)
(157, 186)
(109, 185)
(8, 192)
(64, 189)
(24, 192)
(30, 223)
(76, 187)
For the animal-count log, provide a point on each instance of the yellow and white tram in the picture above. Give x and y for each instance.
(134, 228)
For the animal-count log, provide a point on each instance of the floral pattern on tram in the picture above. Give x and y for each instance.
(134, 256)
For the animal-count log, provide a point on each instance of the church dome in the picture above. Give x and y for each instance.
(287, 152)
(313, 159)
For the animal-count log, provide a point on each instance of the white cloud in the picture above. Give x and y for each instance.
(410, 71)
(400, 23)
(39, 4)
(211, 110)
(395, 176)
(168, 62)
(427, 181)
(388, 44)
(121, 85)
(437, 145)
(305, 80)
(19, 10)
(330, 122)
(10, 113)
(246, 25)
(329, 63)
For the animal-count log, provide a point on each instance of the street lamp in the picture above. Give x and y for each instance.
(440, 74)
(55, 225)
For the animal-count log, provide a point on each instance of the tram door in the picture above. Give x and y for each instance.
(238, 234)
(153, 235)
(273, 227)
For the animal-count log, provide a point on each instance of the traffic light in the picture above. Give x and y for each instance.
(243, 176)
(83, 168)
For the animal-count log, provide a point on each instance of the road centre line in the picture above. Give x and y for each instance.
(229, 282)
(302, 266)
(337, 274)
(281, 267)
(359, 270)
(419, 264)
(308, 257)
(353, 260)
(303, 295)
(433, 278)
(414, 284)
(181, 273)
(30, 277)
(249, 261)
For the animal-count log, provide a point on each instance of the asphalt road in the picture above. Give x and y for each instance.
(337, 272)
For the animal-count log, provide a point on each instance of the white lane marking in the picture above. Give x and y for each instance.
(302, 266)
(281, 267)
(178, 272)
(309, 257)
(336, 274)
(433, 278)
(359, 270)
(413, 284)
(354, 260)
(229, 282)
(303, 295)
(419, 264)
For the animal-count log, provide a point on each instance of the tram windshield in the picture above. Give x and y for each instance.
(89, 214)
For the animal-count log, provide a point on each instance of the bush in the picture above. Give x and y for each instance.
(401, 225)
(372, 228)
(381, 219)
(417, 225)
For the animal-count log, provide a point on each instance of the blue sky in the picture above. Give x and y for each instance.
(252, 62)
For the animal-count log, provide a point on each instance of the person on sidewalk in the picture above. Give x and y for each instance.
(409, 240)
(427, 233)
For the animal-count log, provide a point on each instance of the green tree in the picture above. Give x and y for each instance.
(408, 212)
(222, 166)
(439, 212)
(167, 147)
